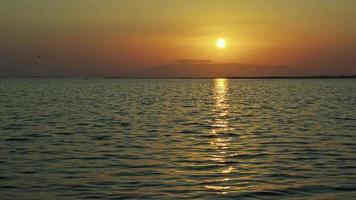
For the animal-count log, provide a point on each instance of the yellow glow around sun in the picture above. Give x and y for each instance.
(221, 43)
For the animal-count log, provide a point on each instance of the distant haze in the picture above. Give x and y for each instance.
(177, 38)
(218, 70)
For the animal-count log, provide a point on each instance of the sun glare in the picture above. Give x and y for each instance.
(220, 43)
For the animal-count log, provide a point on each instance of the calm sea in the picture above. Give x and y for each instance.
(177, 139)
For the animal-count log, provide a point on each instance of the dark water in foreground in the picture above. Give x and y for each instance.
(176, 139)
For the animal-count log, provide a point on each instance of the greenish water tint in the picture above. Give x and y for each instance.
(176, 139)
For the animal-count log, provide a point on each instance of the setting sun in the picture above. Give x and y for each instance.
(221, 43)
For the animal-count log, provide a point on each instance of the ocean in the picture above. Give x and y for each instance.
(178, 139)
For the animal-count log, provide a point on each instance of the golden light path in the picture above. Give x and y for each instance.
(221, 127)
(221, 109)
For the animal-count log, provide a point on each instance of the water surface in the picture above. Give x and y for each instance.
(176, 139)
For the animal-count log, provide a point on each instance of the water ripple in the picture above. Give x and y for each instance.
(177, 139)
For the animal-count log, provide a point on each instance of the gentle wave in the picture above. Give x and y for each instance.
(177, 139)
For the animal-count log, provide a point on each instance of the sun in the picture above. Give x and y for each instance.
(221, 43)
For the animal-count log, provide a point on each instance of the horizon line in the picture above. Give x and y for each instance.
(172, 77)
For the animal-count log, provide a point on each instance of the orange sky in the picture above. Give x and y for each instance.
(91, 37)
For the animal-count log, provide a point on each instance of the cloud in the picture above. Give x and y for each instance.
(201, 69)
(191, 61)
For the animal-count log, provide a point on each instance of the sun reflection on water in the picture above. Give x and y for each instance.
(221, 143)
(221, 108)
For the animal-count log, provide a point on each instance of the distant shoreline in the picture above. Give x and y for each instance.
(228, 77)
(233, 77)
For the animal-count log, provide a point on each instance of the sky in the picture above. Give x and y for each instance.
(123, 37)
